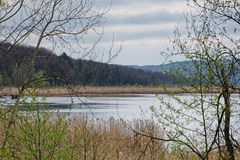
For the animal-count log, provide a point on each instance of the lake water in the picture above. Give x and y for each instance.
(137, 106)
(127, 107)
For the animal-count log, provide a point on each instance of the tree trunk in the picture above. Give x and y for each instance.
(230, 149)
(227, 121)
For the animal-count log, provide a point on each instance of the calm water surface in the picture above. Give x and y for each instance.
(127, 107)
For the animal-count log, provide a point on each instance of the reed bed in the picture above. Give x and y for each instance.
(44, 136)
(41, 135)
(99, 91)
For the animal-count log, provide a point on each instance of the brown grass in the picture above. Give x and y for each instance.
(47, 137)
(114, 140)
(79, 139)
(90, 91)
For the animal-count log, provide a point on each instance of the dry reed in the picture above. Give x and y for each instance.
(44, 136)
(95, 91)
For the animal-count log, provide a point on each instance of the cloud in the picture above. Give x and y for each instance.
(131, 28)
(143, 27)
(146, 7)
(159, 17)
(128, 33)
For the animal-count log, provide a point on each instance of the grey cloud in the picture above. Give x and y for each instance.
(146, 19)
(121, 2)
(136, 54)
(161, 33)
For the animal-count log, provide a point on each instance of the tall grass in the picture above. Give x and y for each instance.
(113, 139)
(107, 90)
(44, 136)
(40, 135)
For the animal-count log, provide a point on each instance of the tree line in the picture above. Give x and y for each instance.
(63, 70)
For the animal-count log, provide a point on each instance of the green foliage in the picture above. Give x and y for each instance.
(34, 135)
(39, 138)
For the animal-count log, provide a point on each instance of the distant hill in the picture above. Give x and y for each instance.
(164, 68)
(62, 70)
(187, 69)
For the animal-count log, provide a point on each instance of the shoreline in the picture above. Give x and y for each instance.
(107, 91)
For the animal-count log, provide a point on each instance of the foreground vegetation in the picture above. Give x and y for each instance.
(41, 135)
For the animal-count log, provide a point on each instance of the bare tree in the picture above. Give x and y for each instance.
(207, 122)
(55, 24)
(52, 23)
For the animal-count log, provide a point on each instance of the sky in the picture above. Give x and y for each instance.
(143, 28)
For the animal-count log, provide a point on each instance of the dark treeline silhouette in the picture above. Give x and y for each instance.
(62, 70)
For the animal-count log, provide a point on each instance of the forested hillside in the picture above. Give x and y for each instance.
(165, 68)
(62, 70)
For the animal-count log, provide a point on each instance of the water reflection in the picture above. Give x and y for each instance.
(127, 107)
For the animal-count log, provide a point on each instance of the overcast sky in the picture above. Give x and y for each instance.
(143, 27)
